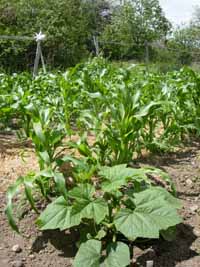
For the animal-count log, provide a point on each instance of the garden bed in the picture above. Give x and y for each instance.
(54, 248)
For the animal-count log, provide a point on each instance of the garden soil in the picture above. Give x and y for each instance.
(57, 249)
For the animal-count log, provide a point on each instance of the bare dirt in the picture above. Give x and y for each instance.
(56, 249)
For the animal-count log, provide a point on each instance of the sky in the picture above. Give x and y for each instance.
(179, 11)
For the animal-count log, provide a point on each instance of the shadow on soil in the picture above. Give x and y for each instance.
(8, 141)
(168, 254)
(62, 241)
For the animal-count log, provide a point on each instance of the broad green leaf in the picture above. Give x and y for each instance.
(152, 214)
(118, 255)
(58, 215)
(91, 209)
(89, 254)
(86, 206)
(119, 175)
(156, 193)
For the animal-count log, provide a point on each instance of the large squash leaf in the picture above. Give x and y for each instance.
(96, 209)
(117, 176)
(86, 205)
(89, 254)
(154, 211)
(58, 215)
(118, 255)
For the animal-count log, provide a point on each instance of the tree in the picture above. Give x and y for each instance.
(134, 23)
(185, 40)
(63, 21)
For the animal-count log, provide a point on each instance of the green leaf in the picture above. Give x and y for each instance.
(96, 209)
(58, 215)
(153, 213)
(160, 192)
(145, 110)
(45, 157)
(28, 186)
(12, 191)
(101, 234)
(60, 183)
(169, 234)
(89, 254)
(83, 191)
(86, 206)
(119, 175)
(118, 255)
(39, 132)
(58, 178)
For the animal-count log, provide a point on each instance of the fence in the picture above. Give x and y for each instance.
(99, 46)
(37, 39)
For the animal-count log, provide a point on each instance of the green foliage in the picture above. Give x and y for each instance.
(70, 26)
(64, 23)
(87, 125)
(90, 254)
(121, 211)
(133, 24)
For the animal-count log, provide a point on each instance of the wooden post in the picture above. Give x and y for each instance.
(37, 59)
(42, 60)
(96, 45)
(39, 37)
(146, 52)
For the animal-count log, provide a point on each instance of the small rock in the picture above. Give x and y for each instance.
(17, 264)
(137, 252)
(189, 182)
(29, 248)
(16, 248)
(194, 208)
(149, 264)
(196, 232)
(32, 256)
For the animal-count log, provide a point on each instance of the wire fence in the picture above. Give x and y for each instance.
(35, 59)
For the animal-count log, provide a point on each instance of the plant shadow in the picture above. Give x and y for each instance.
(169, 254)
(65, 242)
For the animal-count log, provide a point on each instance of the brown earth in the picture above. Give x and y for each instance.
(56, 249)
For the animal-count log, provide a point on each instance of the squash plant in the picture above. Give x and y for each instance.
(124, 205)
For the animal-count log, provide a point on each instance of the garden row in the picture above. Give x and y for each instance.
(87, 125)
